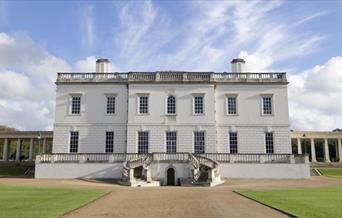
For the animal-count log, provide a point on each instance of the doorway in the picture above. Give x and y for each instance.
(170, 176)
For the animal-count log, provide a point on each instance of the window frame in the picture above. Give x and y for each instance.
(169, 145)
(262, 104)
(71, 144)
(167, 106)
(107, 144)
(71, 101)
(195, 147)
(194, 104)
(269, 150)
(236, 104)
(138, 104)
(230, 144)
(115, 102)
(144, 148)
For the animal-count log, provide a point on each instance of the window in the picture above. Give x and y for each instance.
(143, 104)
(110, 104)
(171, 142)
(267, 105)
(73, 142)
(269, 142)
(199, 142)
(231, 105)
(109, 142)
(199, 104)
(75, 104)
(171, 105)
(142, 142)
(233, 143)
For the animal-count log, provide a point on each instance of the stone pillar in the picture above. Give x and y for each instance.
(339, 145)
(5, 150)
(30, 150)
(313, 150)
(299, 146)
(17, 155)
(326, 151)
(44, 145)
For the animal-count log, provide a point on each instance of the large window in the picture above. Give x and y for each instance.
(171, 105)
(267, 105)
(231, 105)
(269, 142)
(143, 104)
(233, 143)
(75, 104)
(110, 104)
(199, 104)
(109, 142)
(199, 142)
(171, 142)
(143, 142)
(73, 142)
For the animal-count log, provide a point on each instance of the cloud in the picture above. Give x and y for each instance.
(86, 23)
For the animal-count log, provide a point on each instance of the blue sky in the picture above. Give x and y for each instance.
(40, 38)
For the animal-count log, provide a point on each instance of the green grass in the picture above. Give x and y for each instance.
(313, 202)
(42, 202)
(331, 172)
(9, 171)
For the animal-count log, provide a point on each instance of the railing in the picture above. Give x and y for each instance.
(172, 76)
(160, 156)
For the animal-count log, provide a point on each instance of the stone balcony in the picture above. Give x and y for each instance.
(172, 77)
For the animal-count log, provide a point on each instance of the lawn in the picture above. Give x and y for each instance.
(42, 202)
(310, 202)
(331, 172)
(9, 171)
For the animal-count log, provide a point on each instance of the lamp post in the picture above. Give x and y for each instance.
(39, 137)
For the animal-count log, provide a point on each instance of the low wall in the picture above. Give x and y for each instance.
(78, 170)
(270, 171)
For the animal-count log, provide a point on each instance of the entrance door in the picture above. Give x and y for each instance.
(170, 176)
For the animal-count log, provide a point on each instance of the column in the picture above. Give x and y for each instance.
(313, 150)
(299, 146)
(5, 151)
(339, 145)
(326, 151)
(17, 155)
(31, 149)
(44, 145)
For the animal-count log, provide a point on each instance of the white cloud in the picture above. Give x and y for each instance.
(86, 22)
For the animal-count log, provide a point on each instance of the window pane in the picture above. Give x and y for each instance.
(231, 105)
(111, 105)
(143, 104)
(109, 142)
(199, 142)
(76, 105)
(171, 141)
(233, 142)
(171, 105)
(143, 142)
(198, 105)
(73, 142)
(269, 142)
(267, 105)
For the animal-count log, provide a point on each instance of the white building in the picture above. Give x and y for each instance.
(190, 122)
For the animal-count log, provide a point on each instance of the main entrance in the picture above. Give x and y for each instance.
(170, 176)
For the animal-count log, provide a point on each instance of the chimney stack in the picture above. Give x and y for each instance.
(238, 65)
(102, 65)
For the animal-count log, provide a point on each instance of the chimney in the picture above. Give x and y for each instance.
(238, 65)
(102, 65)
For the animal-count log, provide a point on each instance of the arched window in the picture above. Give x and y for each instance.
(171, 105)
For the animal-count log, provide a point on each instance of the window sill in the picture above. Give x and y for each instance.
(170, 115)
(267, 115)
(110, 114)
(232, 115)
(143, 114)
(198, 114)
(74, 115)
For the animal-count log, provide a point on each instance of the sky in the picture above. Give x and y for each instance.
(40, 38)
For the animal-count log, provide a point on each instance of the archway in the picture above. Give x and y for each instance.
(170, 176)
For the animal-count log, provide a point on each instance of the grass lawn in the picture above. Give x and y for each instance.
(9, 171)
(331, 172)
(311, 202)
(42, 202)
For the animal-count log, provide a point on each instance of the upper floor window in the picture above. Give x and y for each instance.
(171, 142)
(199, 142)
(73, 142)
(109, 142)
(171, 105)
(267, 106)
(143, 141)
(143, 104)
(231, 105)
(110, 104)
(233, 143)
(198, 104)
(269, 142)
(75, 104)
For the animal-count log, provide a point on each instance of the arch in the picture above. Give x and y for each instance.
(171, 105)
(171, 176)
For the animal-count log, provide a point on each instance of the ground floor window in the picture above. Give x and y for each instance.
(199, 142)
(143, 142)
(73, 142)
(171, 142)
(233, 144)
(109, 142)
(269, 142)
